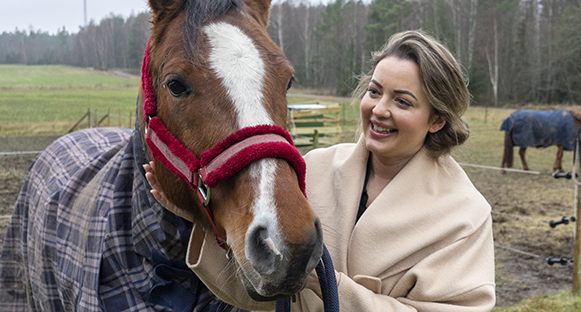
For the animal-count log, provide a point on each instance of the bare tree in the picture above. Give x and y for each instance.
(493, 66)
(276, 15)
(472, 32)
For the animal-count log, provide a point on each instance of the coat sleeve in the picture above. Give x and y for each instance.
(458, 277)
(211, 265)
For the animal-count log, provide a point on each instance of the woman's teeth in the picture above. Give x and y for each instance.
(383, 130)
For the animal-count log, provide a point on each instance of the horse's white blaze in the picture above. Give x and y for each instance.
(236, 60)
(263, 173)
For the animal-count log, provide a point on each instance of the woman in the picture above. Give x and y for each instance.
(405, 227)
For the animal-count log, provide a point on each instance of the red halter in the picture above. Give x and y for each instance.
(219, 162)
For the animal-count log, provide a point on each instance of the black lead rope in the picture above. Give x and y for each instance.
(328, 282)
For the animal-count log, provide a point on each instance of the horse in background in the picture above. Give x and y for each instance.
(86, 233)
(529, 128)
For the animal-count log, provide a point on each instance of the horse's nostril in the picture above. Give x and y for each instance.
(317, 249)
(261, 251)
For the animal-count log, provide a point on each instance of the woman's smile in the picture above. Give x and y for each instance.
(381, 130)
(395, 113)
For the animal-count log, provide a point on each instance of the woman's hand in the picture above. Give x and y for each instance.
(160, 197)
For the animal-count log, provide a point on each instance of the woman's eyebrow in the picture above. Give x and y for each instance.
(395, 91)
(405, 92)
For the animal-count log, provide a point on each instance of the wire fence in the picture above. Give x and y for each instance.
(498, 213)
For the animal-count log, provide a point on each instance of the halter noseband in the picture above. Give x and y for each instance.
(219, 162)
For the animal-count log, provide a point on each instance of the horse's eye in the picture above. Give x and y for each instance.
(176, 88)
(290, 83)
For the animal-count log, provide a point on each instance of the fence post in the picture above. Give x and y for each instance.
(79, 122)
(315, 139)
(577, 256)
(577, 223)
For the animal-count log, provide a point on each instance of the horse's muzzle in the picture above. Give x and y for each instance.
(280, 272)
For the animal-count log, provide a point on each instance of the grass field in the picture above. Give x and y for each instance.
(55, 76)
(50, 99)
(563, 302)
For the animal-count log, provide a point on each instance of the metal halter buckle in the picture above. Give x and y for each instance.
(203, 190)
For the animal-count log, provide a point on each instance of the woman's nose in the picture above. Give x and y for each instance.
(382, 109)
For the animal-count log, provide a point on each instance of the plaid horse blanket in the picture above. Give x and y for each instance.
(87, 235)
(541, 129)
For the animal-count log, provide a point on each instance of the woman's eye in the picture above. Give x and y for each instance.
(403, 102)
(372, 92)
(176, 88)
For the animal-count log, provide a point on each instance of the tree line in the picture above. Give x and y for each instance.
(113, 43)
(512, 51)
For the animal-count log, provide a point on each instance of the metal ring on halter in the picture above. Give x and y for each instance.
(147, 125)
(203, 191)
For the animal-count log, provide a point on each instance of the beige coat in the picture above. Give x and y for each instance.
(424, 244)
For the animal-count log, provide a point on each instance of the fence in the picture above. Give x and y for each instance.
(314, 123)
(565, 220)
(92, 120)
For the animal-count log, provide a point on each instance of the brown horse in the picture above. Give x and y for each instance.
(528, 128)
(86, 233)
(212, 77)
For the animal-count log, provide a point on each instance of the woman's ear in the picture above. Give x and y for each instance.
(437, 124)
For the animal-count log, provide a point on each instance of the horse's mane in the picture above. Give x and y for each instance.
(198, 12)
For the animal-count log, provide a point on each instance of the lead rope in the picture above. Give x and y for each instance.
(328, 282)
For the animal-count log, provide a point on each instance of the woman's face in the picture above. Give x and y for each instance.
(395, 112)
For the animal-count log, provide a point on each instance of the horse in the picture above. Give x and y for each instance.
(529, 128)
(87, 234)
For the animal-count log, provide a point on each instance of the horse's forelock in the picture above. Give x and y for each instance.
(199, 12)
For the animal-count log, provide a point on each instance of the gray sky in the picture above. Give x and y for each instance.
(50, 15)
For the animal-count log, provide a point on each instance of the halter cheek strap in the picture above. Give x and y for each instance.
(219, 162)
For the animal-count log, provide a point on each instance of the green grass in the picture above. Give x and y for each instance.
(563, 302)
(50, 99)
(56, 76)
(61, 105)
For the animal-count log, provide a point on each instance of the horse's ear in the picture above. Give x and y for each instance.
(160, 7)
(259, 10)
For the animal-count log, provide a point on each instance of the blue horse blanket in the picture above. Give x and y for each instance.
(87, 235)
(541, 129)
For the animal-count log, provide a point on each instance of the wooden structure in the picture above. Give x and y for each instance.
(577, 249)
(314, 123)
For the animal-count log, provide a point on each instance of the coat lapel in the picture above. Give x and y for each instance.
(389, 215)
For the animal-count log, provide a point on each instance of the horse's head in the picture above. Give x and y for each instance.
(214, 71)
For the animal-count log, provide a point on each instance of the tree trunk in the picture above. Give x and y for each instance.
(493, 68)
(279, 26)
(472, 32)
(307, 41)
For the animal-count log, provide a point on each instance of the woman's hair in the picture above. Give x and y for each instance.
(442, 81)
